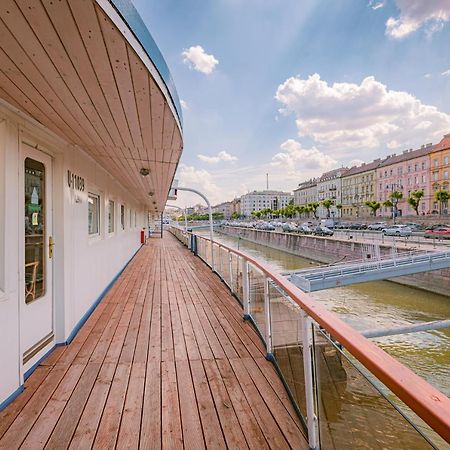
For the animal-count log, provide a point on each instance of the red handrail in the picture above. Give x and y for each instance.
(427, 402)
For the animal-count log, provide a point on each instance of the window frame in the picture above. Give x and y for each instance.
(122, 216)
(111, 216)
(97, 197)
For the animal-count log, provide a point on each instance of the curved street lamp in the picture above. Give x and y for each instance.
(211, 229)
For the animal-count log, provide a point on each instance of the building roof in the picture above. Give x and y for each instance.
(267, 193)
(443, 144)
(306, 184)
(331, 174)
(408, 155)
(363, 168)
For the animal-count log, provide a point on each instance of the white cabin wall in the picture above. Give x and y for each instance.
(83, 266)
(9, 218)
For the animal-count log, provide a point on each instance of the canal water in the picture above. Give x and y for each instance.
(380, 304)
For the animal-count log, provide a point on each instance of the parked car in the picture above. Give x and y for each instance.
(437, 225)
(377, 226)
(440, 233)
(341, 226)
(357, 226)
(322, 231)
(329, 223)
(397, 230)
(289, 227)
(304, 229)
(414, 226)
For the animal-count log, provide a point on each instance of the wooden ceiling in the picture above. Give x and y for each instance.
(66, 64)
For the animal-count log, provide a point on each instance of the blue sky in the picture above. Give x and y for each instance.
(293, 88)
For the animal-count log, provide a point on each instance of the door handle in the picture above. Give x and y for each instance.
(51, 243)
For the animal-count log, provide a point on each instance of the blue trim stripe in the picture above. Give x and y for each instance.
(33, 367)
(137, 26)
(12, 397)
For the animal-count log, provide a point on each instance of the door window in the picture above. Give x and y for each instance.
(35, 277)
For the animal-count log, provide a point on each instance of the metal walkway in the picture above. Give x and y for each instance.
(310, 280)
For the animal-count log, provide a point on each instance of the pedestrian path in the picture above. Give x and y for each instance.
(164, 361)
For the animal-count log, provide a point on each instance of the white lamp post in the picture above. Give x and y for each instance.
(210, 218)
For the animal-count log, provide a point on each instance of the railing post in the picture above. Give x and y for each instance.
(245, 289)
(311, 417)
(230, 262)
(268, 318)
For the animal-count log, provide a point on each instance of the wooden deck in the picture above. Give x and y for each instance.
(165, 361)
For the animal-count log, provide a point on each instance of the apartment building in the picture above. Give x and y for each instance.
(257, 200)
(329, 186)
(359, 186)
(439, 172)
(306, 192)
(405, 173)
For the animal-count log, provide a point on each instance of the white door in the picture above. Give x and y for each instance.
(36, 309)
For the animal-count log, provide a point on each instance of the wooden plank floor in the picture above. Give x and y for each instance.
(165, 361)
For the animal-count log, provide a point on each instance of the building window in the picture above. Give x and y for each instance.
(111, 217)
(445, 160)
(122, 216)
(435, 176)
(93, 213)
(445, 175)
(423, 165)
(435, 162)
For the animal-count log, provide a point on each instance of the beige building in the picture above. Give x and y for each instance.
(359, 186)
(226, 208)
(329, 187)
(306, 192)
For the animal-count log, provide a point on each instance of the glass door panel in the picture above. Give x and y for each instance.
(35, 276)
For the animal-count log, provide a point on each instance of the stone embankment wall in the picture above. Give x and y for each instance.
(332, 250)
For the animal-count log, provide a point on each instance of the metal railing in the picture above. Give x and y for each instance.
(349, 392)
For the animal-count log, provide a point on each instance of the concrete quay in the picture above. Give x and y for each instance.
(332, 250)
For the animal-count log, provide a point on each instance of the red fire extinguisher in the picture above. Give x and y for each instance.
(143, 236)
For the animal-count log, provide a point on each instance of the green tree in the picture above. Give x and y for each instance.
(327, 203)
(442, 196)
(395, 197)
(299, 209)
(414, 199)
(235, 216)
(313, 208)
(375, 206)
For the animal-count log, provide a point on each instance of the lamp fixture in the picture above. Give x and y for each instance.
(151, 193)
(144, 171)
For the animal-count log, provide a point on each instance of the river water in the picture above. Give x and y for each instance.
(380, 304)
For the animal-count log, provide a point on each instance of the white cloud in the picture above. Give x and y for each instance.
(199, 179)
(346, 116)
(184, 104)
(221, 156)
(376, 5)
(199, 60)
(355, 162)
(299, 161)
(446, 73)
(428, 76)
(417, 13)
